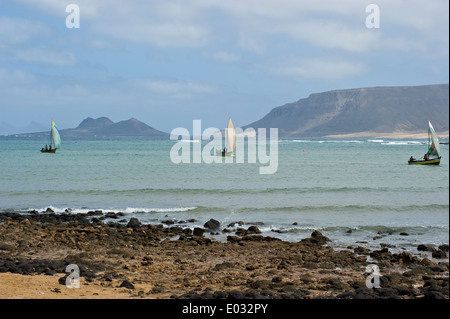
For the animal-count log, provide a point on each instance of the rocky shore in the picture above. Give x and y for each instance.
(120, 258)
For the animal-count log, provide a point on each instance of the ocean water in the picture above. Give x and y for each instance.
(350, 190)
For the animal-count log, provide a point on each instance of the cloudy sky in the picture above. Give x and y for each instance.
(167, 62)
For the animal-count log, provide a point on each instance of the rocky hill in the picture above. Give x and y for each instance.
(364, 112)
(103, 127)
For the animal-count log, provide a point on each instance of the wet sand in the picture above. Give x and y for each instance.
(129, 260)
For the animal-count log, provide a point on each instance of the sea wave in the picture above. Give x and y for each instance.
(214, 191)
(321, 141)
(402, 143)
(126, 210)
(372, 229)
(346, 208)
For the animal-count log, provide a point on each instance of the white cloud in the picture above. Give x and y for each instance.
(18, 38)
(89, 9)
(178, 88)
(252, 42)
(253, 23)
(319, 68)
(327, 24)
(331, 34)
(339, 24)
(45, 56)
(15, 77)
(169, 88)
(158, 23)
(14, 31)
(161, 35)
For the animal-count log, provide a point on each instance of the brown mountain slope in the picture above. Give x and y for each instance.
(363, 111)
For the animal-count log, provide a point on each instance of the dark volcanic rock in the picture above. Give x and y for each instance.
(126, 284)
(253, 230)
(316, 238)
(212, 224)
(198, 231)
(134, 223)
(422, 247)
(439, 254)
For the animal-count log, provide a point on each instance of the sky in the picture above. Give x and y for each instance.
(167, 63)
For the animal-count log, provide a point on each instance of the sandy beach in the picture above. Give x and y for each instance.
(129, 260)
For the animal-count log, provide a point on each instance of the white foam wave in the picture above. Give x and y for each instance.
(402, 143)
(127, 210)
(131, 210)
(321, 141)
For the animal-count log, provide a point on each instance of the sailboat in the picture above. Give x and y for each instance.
(55, 140)
(230, 141)
(433, 156)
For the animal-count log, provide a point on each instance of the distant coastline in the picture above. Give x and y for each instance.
(393, 135)
(373, 112)
(376, 112)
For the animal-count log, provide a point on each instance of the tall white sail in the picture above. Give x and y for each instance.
(231, 136)
(56, 137)
(434, 149)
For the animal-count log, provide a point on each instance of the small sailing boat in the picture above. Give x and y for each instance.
(55, 142)
(433, 156)
(230, 141)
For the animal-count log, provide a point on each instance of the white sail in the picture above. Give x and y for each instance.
(56, 137)
(434, 149)
(231, 136)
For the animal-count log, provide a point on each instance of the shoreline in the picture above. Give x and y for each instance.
(136, 261)
(393, 135)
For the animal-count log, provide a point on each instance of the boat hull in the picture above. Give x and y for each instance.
(434, 161)
(48, 151)
(224, 154)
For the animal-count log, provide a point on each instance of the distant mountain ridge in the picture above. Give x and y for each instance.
(104, 128)
(94, 124)
(361, 112)
(365, 112)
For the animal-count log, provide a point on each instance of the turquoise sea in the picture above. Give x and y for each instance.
(350, 190)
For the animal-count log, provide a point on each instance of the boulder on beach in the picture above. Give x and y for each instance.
(253, 230)
(134, 223)
(316, 238)
(126, 284)
(198, 231)
(212, 224)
